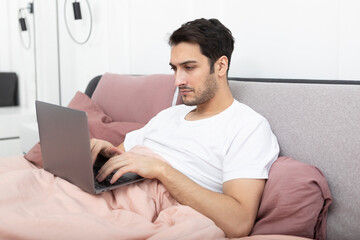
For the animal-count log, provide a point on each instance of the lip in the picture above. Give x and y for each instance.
(184, 91)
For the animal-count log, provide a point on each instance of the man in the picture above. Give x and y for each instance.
(218, 151)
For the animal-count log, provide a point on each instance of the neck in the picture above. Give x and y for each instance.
(221, 101)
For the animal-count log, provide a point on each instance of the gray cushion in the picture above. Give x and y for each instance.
(317, 124)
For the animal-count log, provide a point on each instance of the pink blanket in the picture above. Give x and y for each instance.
(36, 205)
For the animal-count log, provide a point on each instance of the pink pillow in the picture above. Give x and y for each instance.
(295, 201)
(100, 126)
(140, 97)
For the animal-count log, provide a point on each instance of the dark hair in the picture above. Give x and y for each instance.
(214, 38)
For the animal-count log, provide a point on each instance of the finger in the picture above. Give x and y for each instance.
(119, 173)
(110, 166)
(94, 147)
(96, 152)
(112, 152)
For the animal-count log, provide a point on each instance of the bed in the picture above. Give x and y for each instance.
(309, 193)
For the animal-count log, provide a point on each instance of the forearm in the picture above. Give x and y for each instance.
(227, 213)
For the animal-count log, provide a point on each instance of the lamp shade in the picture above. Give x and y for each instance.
(77, 10)
(22, 22)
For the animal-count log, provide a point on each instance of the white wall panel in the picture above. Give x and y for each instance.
(118, 26)
(21, 60)
(205, 9)
(288, 39)
(277, 38)
(349, 39)
(274, 39)
(47, 67)
(151, 23)
(79, 63)
(5, 45)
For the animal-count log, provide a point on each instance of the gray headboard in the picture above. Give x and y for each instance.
(316, 122)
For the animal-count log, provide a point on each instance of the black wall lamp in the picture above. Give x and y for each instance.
(30, 7)
(78, 16)
(77, 10)
(22, 16)
(22, 21)
(23, 24)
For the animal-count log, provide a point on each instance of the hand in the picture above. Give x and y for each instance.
(104, 148)
(147, 167)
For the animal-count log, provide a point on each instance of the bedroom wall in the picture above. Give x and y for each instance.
(274, 39)
(16, 56)
(277, 38)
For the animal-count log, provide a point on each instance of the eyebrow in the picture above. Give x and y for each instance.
(183, 63)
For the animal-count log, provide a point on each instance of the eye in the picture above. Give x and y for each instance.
(189, 68)
(173, 68)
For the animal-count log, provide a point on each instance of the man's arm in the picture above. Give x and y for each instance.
(234, 211)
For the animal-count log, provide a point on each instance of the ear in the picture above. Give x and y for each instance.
(222, 65)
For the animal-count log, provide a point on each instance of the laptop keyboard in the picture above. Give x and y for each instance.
(106, 182)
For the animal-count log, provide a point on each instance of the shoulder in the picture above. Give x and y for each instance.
(243, 121)
(245, 114)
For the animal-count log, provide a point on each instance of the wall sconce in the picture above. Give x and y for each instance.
(77, 10)
(23, 24)
(22, 17)
(30, 7)
(78, 16)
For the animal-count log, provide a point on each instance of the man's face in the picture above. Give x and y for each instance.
(192, 74)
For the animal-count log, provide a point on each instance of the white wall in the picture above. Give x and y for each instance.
(47, 63)
(314, 39)
(5, 50)
(286, 39)
(349, 39)
(14, 57)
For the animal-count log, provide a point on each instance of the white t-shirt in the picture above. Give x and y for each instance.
(236, 143)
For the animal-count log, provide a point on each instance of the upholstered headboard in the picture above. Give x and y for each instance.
(316, 122)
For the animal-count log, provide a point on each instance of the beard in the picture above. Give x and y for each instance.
(204, 94)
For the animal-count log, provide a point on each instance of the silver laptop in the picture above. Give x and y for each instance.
(65, 147)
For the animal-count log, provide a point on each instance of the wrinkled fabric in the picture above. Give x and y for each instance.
(36, 205)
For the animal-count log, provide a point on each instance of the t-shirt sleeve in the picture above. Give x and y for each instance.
(134, 138)
(252, 152)
(137, 137)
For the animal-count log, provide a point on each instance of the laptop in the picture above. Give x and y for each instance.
(65, 147)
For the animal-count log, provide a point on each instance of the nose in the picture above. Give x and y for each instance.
(180, 79)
